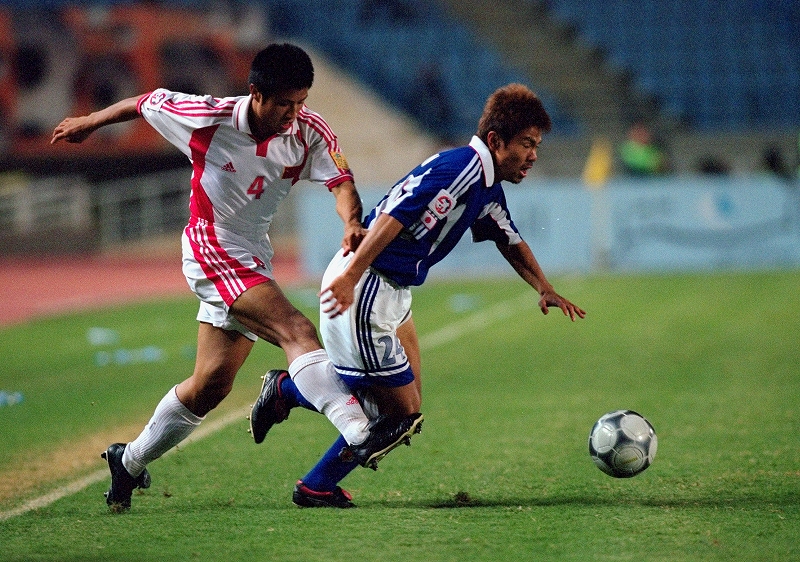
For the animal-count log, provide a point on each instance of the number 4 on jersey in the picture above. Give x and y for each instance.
(257, 187)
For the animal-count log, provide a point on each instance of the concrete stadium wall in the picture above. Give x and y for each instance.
(683, 223)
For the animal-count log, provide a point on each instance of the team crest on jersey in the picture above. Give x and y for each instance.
(339, 160)
(156, 99)
(438, 209)
(442, 204)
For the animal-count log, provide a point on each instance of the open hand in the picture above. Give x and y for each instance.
(553, 299)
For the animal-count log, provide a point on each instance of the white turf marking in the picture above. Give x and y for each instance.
(476, 322)
(449, 333)
(76, 486)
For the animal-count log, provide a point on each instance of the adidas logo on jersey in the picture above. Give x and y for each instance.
(229, 167)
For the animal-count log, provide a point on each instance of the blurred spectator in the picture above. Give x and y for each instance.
(641, 155)
(772, 162)
(713, 165)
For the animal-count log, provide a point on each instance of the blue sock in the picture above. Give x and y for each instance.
(290, 391)
(330, 470)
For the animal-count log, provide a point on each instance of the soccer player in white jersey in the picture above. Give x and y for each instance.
(365, 304)
(246, 154)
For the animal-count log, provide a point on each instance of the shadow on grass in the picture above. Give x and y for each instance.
(466, 500)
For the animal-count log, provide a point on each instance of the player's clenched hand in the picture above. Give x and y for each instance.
(73, 129)
(337, 297)
(553, 299)
(352, 238)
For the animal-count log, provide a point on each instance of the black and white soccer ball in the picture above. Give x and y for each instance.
(622, 443)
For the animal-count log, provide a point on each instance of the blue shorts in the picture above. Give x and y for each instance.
(362, 382)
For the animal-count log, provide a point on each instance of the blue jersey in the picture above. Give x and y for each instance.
(436, 203)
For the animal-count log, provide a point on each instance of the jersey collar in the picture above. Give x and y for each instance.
(240, 121)
(486, 159)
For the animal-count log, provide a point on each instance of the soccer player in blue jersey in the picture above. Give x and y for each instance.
(365, 304)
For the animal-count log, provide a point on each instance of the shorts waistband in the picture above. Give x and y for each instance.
(390, 282)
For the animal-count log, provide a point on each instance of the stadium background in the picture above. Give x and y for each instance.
(397, 80)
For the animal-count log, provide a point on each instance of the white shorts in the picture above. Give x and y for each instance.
(220, 265)
(362, 343)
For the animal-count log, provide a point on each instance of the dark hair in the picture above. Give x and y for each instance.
(510, 110)
(280, 68)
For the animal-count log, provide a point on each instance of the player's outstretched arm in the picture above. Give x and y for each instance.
(78, 129)
(338, 296)
(525, 264)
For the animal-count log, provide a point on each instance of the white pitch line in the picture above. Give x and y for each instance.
(449, 333)
(475, 322)
(76, 486)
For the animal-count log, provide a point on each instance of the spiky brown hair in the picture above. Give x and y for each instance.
(510, 110)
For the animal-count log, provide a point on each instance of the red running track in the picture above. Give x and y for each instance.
(46, 285)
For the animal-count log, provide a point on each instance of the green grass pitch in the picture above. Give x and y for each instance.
(501, 470)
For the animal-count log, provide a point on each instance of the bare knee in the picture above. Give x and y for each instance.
(266, 311)
(299, 336)
(301, 328)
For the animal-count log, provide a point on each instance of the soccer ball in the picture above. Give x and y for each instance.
(622, 443)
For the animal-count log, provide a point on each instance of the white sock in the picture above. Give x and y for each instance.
(171, 423)
(317, 380)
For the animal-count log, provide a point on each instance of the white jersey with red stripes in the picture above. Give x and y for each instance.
(237, 184)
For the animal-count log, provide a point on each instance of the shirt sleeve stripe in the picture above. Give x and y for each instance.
(318, 124)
